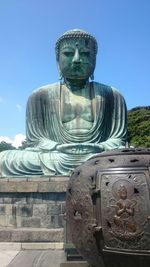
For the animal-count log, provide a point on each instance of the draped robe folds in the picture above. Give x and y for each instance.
(45, 130)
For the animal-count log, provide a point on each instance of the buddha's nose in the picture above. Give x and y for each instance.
(76, 59)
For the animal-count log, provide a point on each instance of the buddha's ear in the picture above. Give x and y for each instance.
(92, 77)
(60, 77)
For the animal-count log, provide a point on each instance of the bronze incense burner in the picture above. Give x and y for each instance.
(108, 209)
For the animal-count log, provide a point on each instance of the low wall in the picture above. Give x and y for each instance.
(31, 209)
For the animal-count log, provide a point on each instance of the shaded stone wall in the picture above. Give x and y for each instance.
(31, 209)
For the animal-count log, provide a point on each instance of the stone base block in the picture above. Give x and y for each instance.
(32, 235)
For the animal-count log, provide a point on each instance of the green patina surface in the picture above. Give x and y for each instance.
(70, 121)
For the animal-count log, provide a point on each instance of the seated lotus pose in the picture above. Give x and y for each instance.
(70, 121)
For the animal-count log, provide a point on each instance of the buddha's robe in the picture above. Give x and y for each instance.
(45, 131)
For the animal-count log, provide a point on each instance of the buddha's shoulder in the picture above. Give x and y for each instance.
(106, 88)
(46, 89)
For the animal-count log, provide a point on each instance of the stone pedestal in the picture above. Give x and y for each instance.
(31, 209)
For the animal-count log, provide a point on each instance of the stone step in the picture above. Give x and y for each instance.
(32, 235)
(14, 246)
(72, 253)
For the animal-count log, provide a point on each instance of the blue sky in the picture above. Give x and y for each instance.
(30, 28)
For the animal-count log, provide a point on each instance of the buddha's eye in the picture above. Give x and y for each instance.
(85, 53)
(68, 53)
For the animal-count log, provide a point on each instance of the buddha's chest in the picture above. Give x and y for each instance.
(75, 106)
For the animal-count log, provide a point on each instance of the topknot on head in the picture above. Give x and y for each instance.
(75, 33)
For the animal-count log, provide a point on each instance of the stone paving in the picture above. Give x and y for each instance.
(6, 257)
(31, 254)
(38, 258)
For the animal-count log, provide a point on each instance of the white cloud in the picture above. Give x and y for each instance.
(16, 141)
(19, 107)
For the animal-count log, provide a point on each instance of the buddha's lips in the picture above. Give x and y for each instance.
(78, 67)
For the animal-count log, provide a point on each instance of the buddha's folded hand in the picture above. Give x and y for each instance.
(79, 148)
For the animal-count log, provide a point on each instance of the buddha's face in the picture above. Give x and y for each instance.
(122, 192)
(77, 58)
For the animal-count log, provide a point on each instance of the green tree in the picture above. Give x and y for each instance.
(139, 127)
(23, 145)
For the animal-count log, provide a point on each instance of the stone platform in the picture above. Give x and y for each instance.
(32, 222)
(32, 209)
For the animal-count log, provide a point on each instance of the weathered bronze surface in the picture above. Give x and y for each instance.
(108, 209)
(69, 121)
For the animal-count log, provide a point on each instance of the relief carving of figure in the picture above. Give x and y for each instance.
(124, 217)
(125, 226)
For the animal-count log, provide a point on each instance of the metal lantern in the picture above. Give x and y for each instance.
(108, 209)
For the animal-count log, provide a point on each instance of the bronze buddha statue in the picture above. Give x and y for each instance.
(69, 121)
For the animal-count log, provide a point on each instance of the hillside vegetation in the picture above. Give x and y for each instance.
(139, 127)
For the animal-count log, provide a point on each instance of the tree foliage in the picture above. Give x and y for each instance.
(139, 127)
(6, 146)
(23, 145)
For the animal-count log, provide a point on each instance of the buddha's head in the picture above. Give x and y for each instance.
(122, 192)
(76, 54)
